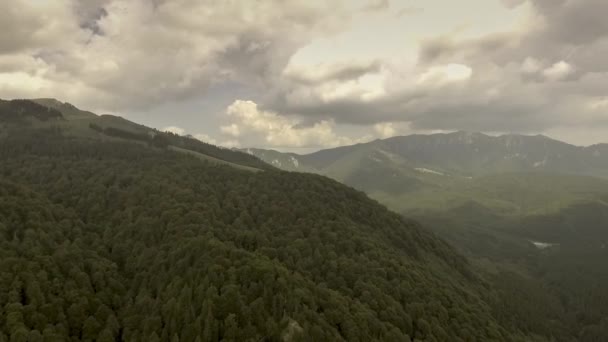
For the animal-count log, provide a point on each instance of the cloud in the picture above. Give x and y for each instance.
(558, 71)
(534, 77)
(137, 54)
(385, 129)
(574, 31)
(209, 140)
(409, 10)
(89, 13)
(546, 71)
(174, 130)
(327, 72)
(600, 104)
(205, 138)
(446, 74)
(531, 66)
(513, 3)
(396, 93)
(231, 129)
(376, 5)
(278, 131)
(35, 25)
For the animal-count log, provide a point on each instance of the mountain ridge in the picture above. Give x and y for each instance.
(49, 113)
(422, 172)
(467, 154)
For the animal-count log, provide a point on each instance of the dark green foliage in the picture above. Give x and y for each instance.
(120, 133)
(373, 177)
(17, 115)
(528, 304)
(96, 127)
(19, 111)
(155, 139)
(574, 266)
(561, 289)
(159, 140)
(68, 110)
(228, 155)
(582, 224)
(165, 139)
(106, 241)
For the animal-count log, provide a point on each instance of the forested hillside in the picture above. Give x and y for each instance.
(110, 240)
(23, 111)
(507, 173)
(16, 115)
(550, 266)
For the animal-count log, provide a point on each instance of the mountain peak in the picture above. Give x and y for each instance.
(22, 111)
(48, 100)
(67, 109)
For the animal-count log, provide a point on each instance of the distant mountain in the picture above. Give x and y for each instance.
(281, 160)
(459, 154)
(445, 170)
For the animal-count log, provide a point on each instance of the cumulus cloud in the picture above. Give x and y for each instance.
(531, 66)
(326, 72)
(130, 54)
(230, 143)
(205, 138)
(279, 131)
(600, 104)
(540, 75)
(558, 71)
(446, 74)
(232, 129)
(547, 71)
(385, 129)
(174, 130)
(23, 28)
(574, 31)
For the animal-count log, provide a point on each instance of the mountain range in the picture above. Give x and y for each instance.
(445, 170)
(458, 154)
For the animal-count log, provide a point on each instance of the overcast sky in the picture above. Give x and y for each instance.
(306, 74)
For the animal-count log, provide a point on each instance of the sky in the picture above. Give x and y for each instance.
(303, 75)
